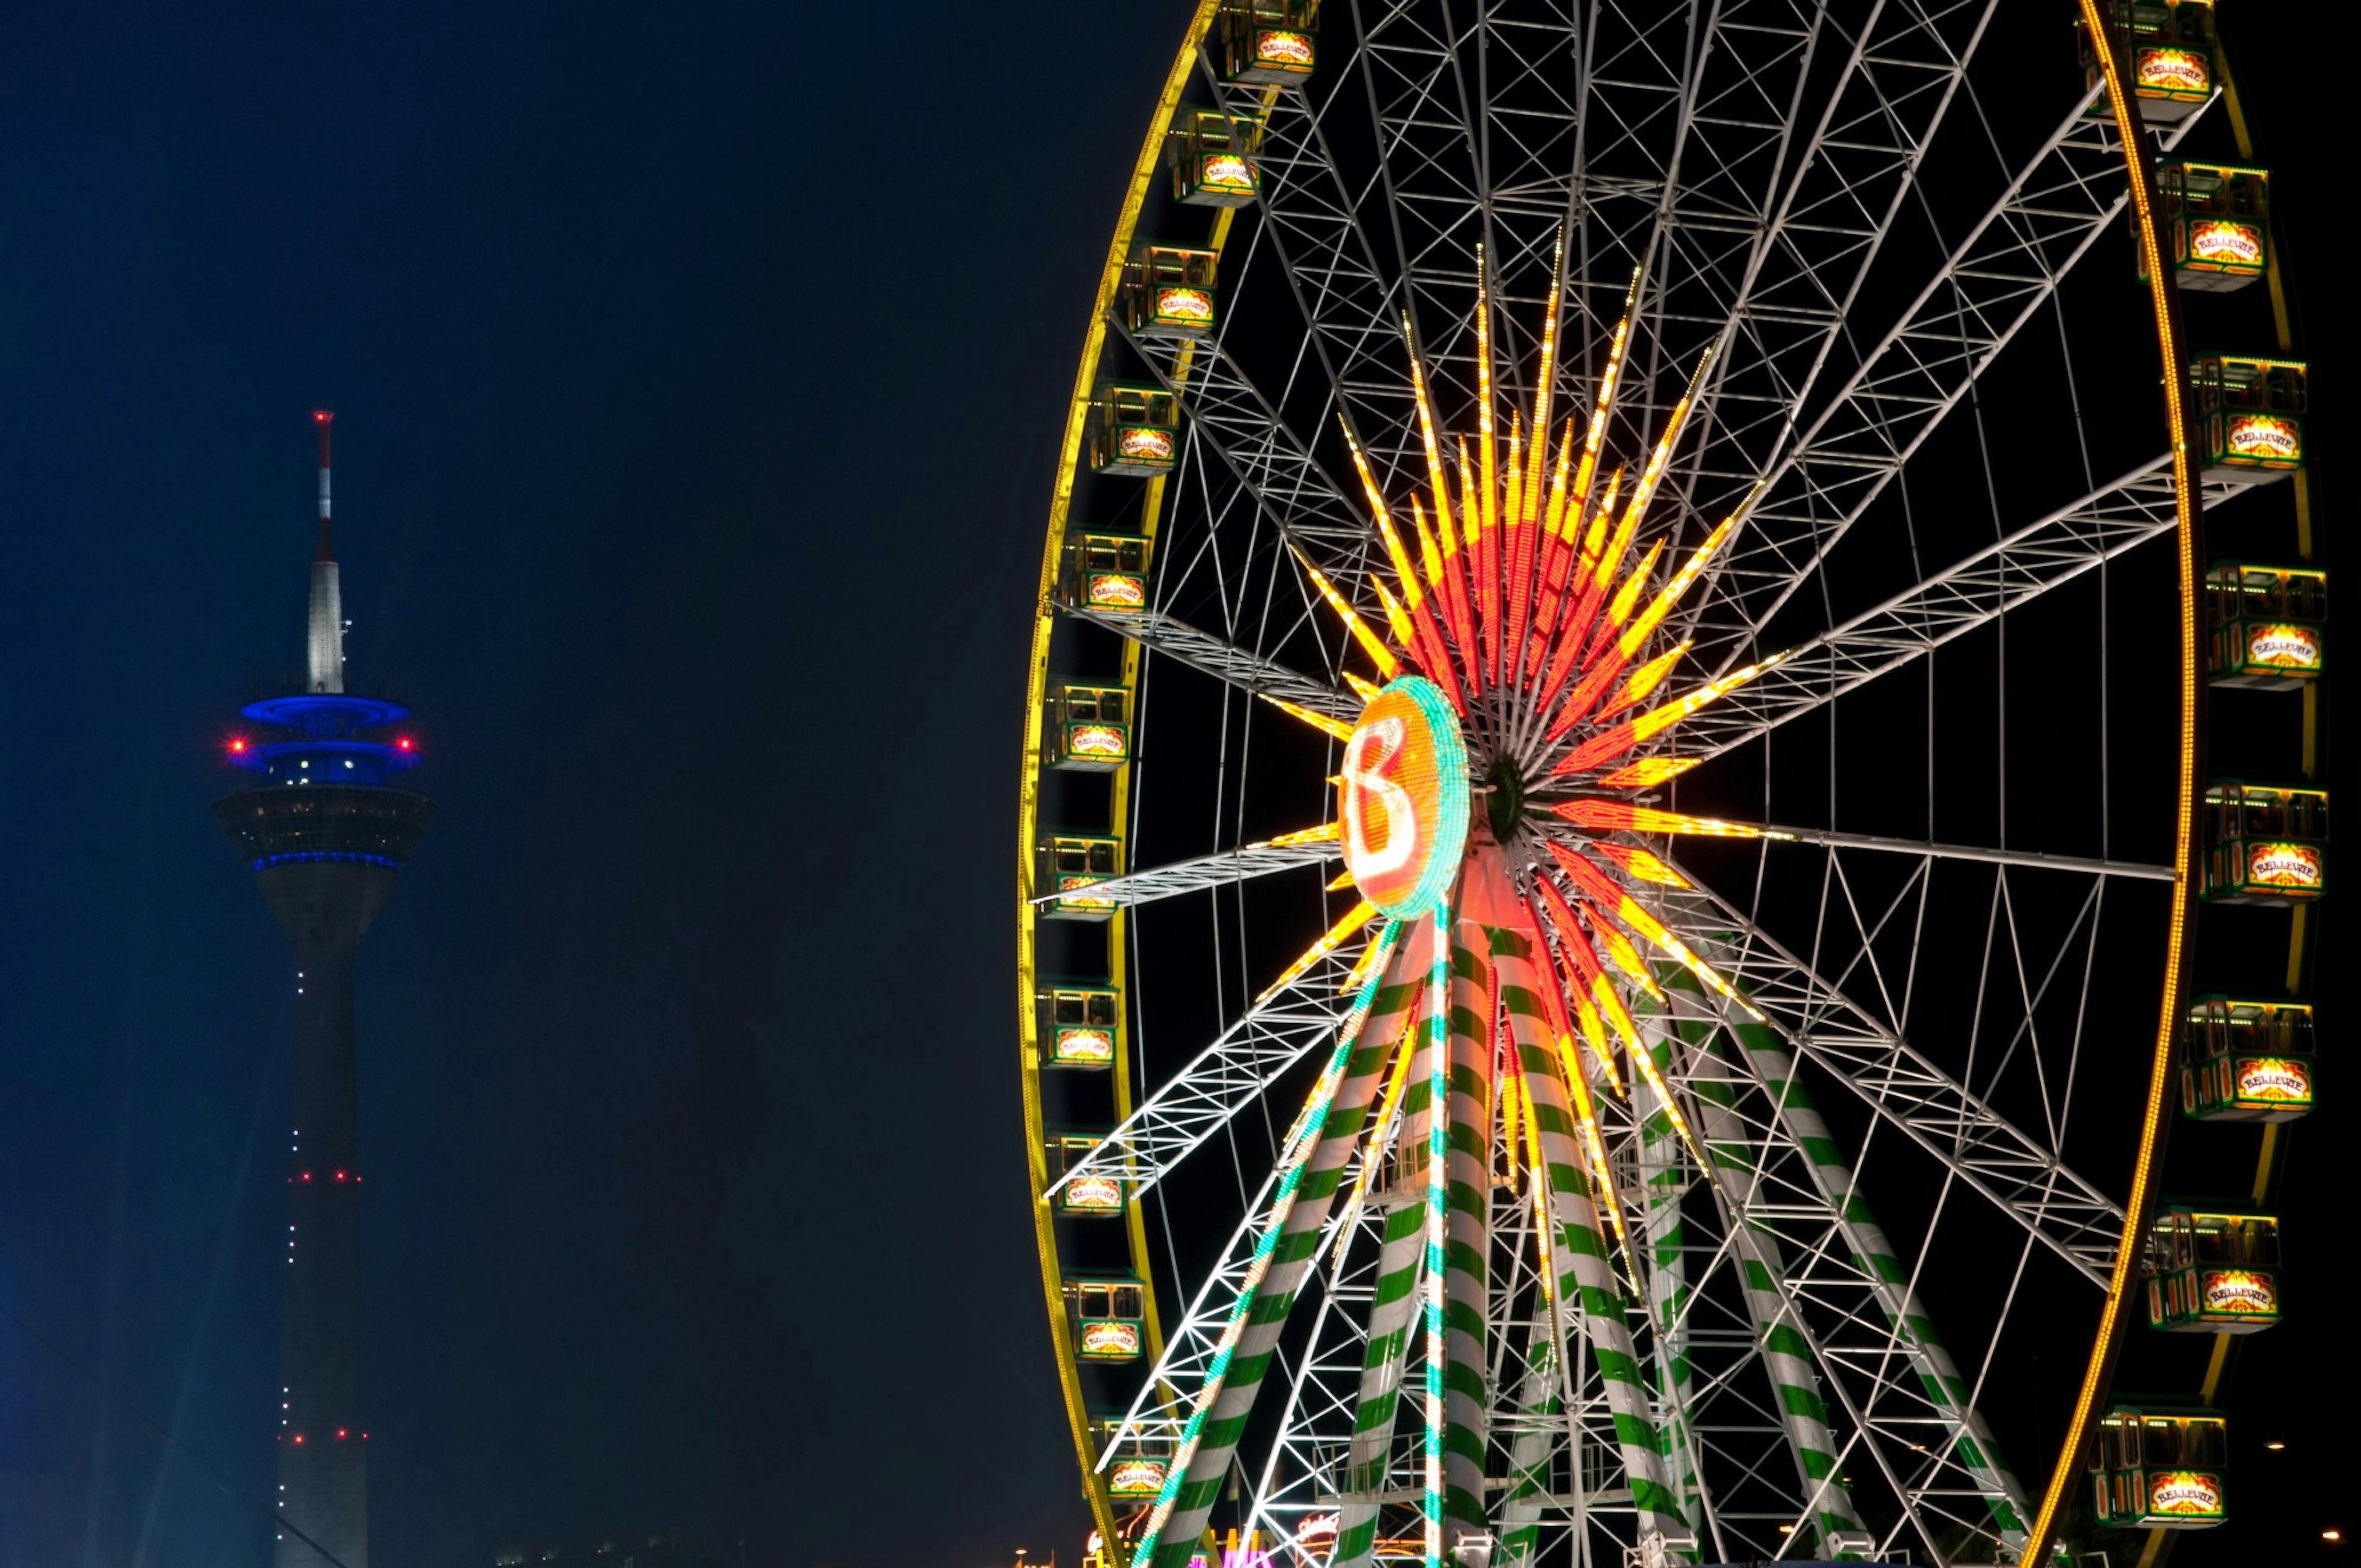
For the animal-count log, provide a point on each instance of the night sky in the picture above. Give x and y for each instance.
(697, 373)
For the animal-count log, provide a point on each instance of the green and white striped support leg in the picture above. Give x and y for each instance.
(1538, 1408)
(1468, 1236)
(1787, 1357)
(1939, 1374)
(1580, 1264)
(1331, 1123)
(1393, 1312)
(1663, 1179)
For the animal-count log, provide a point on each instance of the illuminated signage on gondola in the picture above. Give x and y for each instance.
(2239, 1292)
(1402, 797)
(2283, 647)
(2239, 244)
(1091, 1046)
(2284, 866)
(2274, 1078)
(1184, 306)
(2265, 436)
(1115, 590)
(1110, 1339)
(1225, 171)
(1093, 1194)
(1144, 444)
(2168, 70)
(1095, 740)
(1283, 50)
(1136, 1477)
(2184, 1494)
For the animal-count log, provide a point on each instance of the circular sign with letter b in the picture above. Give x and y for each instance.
(1402, 798)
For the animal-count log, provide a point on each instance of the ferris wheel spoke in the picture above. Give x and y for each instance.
(2026, 1180)
(1243, 425)
(2034, 859)
(2042, 555)
(1311, 215)
(1203, 872)
(1815, 237)
(1224, 1078)
(1220, 658)
(2010, 265)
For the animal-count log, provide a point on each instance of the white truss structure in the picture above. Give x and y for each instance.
(1831, 199)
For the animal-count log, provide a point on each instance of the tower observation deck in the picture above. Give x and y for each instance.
(324, 829)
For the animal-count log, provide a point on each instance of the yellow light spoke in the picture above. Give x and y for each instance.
(1379, 655)
(1397, 621)
(1625, 958)
(1326, 833)
(1621, 817)
(1644, 681)
(1602, 889)
(1646, 491)
(1594, 1033)
(1337, 935)
(1649, 771)
(1320, 721)
(1610, 744)
(1640, 863)
(1389, 1109)
(1606, 392)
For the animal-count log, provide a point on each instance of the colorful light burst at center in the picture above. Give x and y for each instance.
(1522, 632)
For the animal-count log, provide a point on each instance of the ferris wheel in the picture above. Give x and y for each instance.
(1615, 806)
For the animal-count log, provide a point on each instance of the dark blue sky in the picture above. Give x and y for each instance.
(697, 372)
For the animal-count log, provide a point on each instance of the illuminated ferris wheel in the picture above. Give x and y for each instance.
(1615, 812)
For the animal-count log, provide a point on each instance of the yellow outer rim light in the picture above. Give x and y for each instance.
(1045, 1236)
(1439, 858)
(2139, 1204)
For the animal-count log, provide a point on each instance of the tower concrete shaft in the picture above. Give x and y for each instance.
(325, 859)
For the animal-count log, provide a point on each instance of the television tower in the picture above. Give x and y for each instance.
(324, 829)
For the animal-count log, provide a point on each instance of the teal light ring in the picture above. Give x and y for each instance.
(1452, 796)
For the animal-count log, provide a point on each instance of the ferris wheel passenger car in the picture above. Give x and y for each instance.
(1168, 291)
(2213, 1269)
(1068, 864)
(1090, 1195)
(1090, 728)
(2215, 225)
(2268, 625)
(2157, 1467)
(1135, 1467)
(2246, 1062)
(2172, 59)
(1135, 429)
(1105, 573)
(2265, 843)
(1213, 159)
(1083, 1020)
(1108, 1315)
(2248, 419)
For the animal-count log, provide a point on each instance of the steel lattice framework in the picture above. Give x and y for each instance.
(1814, 240)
